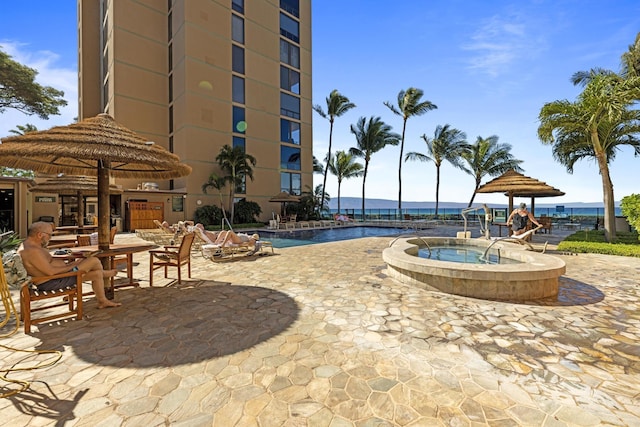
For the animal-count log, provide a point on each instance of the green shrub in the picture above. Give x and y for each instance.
(246, 212)
(9, 240)
(208, 215)
(592, 241)
(631, 209)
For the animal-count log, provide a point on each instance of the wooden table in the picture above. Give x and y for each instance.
(113, 251)
(75, 229)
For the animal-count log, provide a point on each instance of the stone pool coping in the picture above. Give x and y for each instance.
(536, 277)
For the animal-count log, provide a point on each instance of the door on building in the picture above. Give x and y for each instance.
(7, 210)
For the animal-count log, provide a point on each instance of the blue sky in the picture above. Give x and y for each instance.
(489, 67)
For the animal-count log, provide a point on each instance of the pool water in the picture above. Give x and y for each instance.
(463, 255)
(311, 236)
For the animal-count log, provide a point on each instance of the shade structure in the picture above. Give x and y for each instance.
(72, 185)
(96, 146)
(284, 198)
(79, 186)
(514, 184)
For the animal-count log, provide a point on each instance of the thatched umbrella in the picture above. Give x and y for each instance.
(514, 184)
(94, 146)
(71, 185)
(284, 198)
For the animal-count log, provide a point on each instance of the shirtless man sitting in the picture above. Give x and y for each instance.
(39, 262)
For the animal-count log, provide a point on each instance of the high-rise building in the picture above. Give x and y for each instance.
(196, 75)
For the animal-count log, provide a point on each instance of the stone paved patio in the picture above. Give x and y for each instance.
(320, 336)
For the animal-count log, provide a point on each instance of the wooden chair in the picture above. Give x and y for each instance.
(29, 294)
(119, 260)
(83, 240)
(172, 256)
(545, 221)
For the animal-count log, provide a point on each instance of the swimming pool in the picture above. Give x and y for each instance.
(311, 236)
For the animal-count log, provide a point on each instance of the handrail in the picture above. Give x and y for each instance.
(419, 237)
(487, 218)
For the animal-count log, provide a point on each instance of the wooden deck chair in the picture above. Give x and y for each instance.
(29, 294)
(172, 256)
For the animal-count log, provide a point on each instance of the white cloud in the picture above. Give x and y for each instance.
(50, 73)
(498, 43)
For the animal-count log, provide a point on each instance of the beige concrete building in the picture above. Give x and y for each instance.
(195, 75)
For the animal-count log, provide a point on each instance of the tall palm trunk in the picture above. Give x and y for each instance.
(326, 166)
(473, 196)
(404, 127)
(437, 188)
(364, 180)
(607, 192)
(339, 184)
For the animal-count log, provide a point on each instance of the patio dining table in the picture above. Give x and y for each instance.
(113, 251)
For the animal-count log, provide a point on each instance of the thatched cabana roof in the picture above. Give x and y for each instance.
(514, 184)
(77, 148)
(72, 185)
(96, 146)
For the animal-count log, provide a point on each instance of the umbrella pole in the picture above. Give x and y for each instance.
(103, 204)
(80, 208)
(103, 221)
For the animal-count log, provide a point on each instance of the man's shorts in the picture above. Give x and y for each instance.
(59, 283)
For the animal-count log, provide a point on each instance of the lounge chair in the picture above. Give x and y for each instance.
(230, 248)
(522, 238)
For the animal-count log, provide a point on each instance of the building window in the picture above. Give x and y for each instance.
(237, 28)
(289, 106)
(170, 87)
(289, 28)
(289, 131)
(289, 80)
(237, 89)
(239, 125)
(291, 183)
(289, 54)
(170, 57)
(238, 5)
(171, 119)
(170, 26)
(289, 158)
(239, 141)
(237, 59)
(291, 6)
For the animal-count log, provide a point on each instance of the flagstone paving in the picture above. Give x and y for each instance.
(320, 336)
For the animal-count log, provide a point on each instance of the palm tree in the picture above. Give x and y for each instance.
(594, 126)
(344, 166)
(409, 105)
(337, 105)
(21, 130)
(310, 200)
(372, 136)
(217, 182)
(447, 144)
(238, 166)
(317, 166)
(487, 157)
(631, 60)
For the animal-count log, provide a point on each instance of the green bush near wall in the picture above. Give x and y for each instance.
(592, 241)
